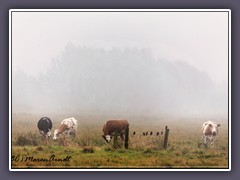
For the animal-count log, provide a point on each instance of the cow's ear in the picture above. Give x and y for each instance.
(218, 125)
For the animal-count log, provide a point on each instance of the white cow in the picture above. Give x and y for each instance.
(209, 132)
(68, 126)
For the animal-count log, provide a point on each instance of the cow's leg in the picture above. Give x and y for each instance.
(68, 132)
(212, 141)
(204, 139)
(72, 133)
(43, 135)
(122, 136)
(41, 132)
(46, 138)
(212, 144)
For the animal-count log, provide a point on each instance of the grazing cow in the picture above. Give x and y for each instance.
(68, 126)
(44, 126)
(209, 132)
(111, 125)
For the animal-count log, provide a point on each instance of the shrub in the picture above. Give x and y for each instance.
(88, 149)
(108, 148)
(39, 148)
(148, 151)
(28, 139)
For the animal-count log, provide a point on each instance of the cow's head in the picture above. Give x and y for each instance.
(214, 128)
(107, 138)
(46, 134)
(55, 134)
(49, 134)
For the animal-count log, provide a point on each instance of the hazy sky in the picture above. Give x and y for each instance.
(199, 38)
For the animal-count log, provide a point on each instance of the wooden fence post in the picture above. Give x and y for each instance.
(126, 137)
(165, 142)
(115, 139)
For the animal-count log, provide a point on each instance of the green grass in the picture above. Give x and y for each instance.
(88, 149)
(120, 158)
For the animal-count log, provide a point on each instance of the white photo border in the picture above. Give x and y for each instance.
(120, 10)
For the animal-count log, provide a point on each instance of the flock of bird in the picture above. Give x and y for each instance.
(150, 133)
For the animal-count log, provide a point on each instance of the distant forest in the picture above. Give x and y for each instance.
(122, 81)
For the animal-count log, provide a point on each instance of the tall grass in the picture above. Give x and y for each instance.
(88, 149)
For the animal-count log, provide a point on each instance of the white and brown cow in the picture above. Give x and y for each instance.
(111, 125)
(209, 132)
(68, 126)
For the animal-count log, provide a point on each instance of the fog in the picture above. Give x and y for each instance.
(118, 82)
(120, 64)
(198, 38)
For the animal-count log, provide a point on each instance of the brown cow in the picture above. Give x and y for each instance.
(111, 125)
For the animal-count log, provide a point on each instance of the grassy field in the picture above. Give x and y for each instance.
(88, 150)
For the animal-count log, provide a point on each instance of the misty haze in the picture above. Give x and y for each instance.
(119, 82)
(120, 89)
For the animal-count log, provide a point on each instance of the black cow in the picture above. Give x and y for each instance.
(45, 126)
